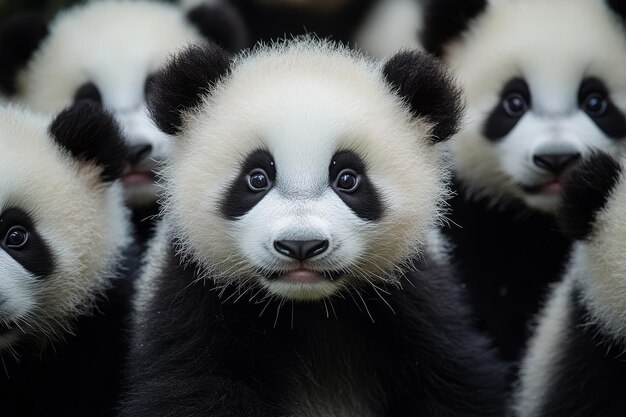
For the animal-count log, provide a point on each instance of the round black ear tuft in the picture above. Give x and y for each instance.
(222, 24)
(445, 20)
(586, 189)
(92, 135)
(20, 37)
(181, 83)
(429, 90)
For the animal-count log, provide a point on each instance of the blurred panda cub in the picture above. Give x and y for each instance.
(63, 228)
(105, 51)
(575, 364)
(298, 269)
(544, 88)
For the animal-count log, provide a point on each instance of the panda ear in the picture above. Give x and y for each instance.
(586, 190)
(20, 37)
(618, 7)
(181, 84)
(429, 90)
(220, 23)
(445, 20)
(92, 135)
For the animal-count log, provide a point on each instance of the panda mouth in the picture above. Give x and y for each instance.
(134, 177)
(304, 276)
(552, 187)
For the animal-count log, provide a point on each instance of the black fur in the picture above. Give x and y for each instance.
(80, 376)
(446, 20)
(182, 83)
(612, 121)
(20, 37)
(585, 191)
(90, 133)
(429, 90)
(202, 355)
(220, 23)
(506, 257)
(365, 201)
(239, 199)
(590, 375)
(500, 123)
(35, 256)
(619, 7)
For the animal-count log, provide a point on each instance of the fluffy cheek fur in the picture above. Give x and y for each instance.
(602, 265)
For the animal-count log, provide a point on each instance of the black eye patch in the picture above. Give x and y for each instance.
(88, 91)
(594, 100)
(20, 240)
(364, 200)
(239, 198)
(513, 104)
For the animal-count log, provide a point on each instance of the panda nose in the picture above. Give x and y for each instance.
(139, 152)
(301, 249)
(555, 163)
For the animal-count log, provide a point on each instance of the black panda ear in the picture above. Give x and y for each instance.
(182, 82)
(20, 37)
(445, 20)
(91, 134)
(586, 190)
(618, 7)
(429, 89)
(220, 23)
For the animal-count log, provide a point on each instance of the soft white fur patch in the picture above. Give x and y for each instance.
(82, 221)
(553, 45)
(303, 102)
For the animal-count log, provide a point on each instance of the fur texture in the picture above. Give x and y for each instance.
(268, 159)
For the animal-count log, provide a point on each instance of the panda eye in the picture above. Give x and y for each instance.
(16, 237)
(515, 105)
(595, 104)
(258, 180)
(347, 181)
(88, 91)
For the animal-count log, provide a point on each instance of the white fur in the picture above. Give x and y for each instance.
(83, 222)
(553, 45)
(303, 101)
(115, 44)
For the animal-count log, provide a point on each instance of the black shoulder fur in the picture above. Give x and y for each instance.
(181, 83)
(429, 89)
(220, 23)
(90, 133)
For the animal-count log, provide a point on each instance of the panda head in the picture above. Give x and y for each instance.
(544, 86)
(62, 219)
(105, 51)
(593, 212)
(302, 167)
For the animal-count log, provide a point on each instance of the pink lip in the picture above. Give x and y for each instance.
(301, 275)
(135, 178)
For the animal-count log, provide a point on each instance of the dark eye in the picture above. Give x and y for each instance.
(595, 104)
(88, 91)
(515, 105)
(16, 237)
(347, 181)
(258, 180)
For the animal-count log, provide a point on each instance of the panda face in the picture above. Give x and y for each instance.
(303, 173)
(540, 96)
(61, 230)
(106, 51)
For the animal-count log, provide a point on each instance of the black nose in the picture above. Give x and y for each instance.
(301, 249)
(139, 152)
(555, 163)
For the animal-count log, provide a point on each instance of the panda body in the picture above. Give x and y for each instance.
(105, 51)
(574, 365)
(509, 161)
(234, 316)
(63, 233)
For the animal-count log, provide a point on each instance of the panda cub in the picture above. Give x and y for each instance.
(105, 51)
(63, 227)
(293, 273)
(575, 365)
(544, 88)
